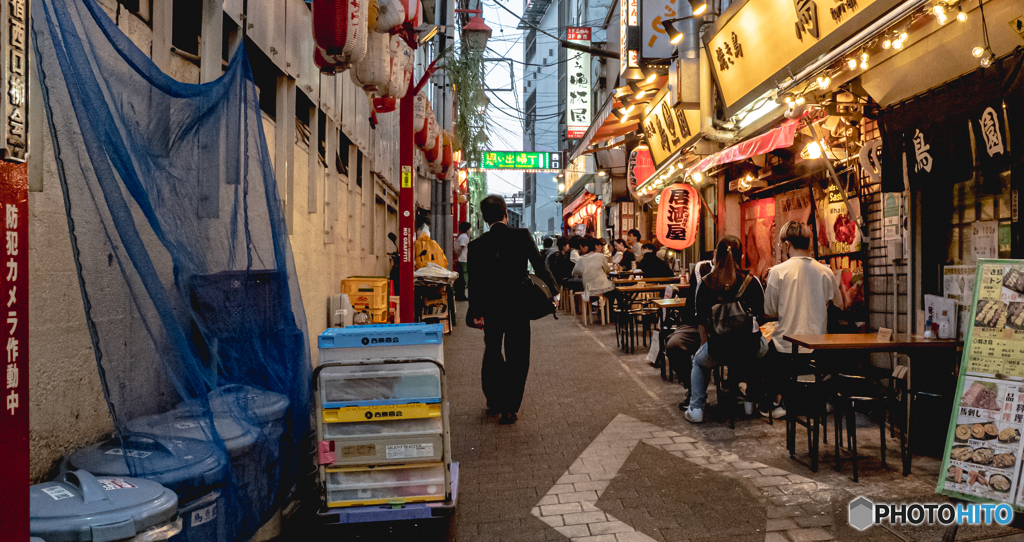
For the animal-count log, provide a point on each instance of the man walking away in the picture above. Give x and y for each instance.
(461, 259)
(498, 260)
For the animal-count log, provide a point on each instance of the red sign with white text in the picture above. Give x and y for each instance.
(14, 477)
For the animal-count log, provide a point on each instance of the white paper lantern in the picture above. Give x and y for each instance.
(374, 70)
(390, 13)
(401, 68)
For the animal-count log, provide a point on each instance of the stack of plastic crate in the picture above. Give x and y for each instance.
(368, 294)
(382, 416)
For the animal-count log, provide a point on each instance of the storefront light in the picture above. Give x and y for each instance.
(852, 64)
(812, 151)
(698, 177)
(903, 36)
(887, 43)
(602, 173)
(961, 15)
(897, 45)
(978, 52)
(561, 187)
(824, 82)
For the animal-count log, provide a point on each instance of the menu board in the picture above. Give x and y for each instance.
(983, 446)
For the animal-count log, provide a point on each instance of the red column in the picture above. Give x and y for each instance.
(406, 210)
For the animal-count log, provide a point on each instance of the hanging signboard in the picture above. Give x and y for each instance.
(665, 129)
(577, 83)
(983, 444)
(837, 231)
(629, 39)
(655, 39)
(14, 57)
(748, 56)
(519, 160)
(678, 216)
(892, 205)
(641, 167)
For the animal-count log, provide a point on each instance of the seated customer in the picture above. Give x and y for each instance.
(731, 336)
(593, 268)
(557, 260)
(624, 257)
(683, 343)
(651, 264)
(578, 247)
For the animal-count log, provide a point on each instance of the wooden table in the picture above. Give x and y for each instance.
(652, 280)
(624, 299)
(868, 342)
(664, 305)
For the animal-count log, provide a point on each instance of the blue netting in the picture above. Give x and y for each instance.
(184, 264)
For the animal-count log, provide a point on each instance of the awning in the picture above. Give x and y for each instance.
(583, 199)
(779, 138)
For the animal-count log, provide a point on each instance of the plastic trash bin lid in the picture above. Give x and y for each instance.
(79, 506)
(187, 466)
(267, 406)
(239, 437)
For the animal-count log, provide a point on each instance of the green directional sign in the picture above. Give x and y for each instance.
(519, 160)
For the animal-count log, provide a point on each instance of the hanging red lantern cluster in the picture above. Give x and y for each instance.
(678, 216)
(583, 213)
(339, 32)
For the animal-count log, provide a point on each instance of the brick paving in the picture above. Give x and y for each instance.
(602, 454)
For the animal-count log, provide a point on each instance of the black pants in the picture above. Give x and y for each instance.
(504, 375)
(460, 283)
(680, 347)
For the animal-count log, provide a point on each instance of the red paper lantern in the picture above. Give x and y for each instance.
(678, 216)
(641, 167)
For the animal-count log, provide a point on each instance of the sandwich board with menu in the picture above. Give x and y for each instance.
(981, 460)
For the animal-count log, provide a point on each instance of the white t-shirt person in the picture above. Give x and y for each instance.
(798, 292)
(463, 243)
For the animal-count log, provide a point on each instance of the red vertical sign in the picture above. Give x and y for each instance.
(14, 477)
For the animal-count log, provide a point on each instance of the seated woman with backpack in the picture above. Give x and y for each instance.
(728, 301)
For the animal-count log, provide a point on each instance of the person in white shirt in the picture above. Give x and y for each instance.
(461, 258)
(593, 268)
(798, 293)
(575, 244)
(633, 240)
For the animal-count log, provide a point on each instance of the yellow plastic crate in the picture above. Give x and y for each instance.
(377, 316)
(369, 292)
(381, 412)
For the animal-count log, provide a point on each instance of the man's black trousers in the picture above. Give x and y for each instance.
(504, 375)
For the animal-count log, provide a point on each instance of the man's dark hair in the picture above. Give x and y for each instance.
(601, 241)
(575, 242)
(548, 241)
(798, 234)
(634, 232)
(464, 227)
(590, 243)
(493, 209)
(649, 246)
(562, 241)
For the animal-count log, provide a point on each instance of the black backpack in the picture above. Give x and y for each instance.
(732, 319)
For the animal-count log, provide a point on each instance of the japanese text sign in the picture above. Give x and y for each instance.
(678, 216)
(14, 324)
(577, 84)
(656, 42)
(765, 37)
(641, 167)
(665, 129)
(629, 35)
(14, 70)
(520, 160)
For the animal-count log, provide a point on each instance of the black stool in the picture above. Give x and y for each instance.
(805, 398)
(859, 394)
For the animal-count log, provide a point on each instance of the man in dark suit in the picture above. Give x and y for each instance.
(497, 260)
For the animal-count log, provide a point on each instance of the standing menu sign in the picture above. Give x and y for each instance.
(981, 462)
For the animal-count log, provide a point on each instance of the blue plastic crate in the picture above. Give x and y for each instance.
(382, 342)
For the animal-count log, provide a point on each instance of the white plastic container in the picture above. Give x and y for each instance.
(383, 384)
(381, 485)
(386, 442)
(381, 342)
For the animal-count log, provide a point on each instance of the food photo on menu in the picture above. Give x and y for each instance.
(987, 439)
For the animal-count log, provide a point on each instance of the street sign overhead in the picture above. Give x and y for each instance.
(519, 160)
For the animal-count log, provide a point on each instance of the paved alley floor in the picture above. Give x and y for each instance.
(601, 453)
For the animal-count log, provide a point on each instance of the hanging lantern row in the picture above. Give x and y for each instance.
(343, 31)
(583, 213)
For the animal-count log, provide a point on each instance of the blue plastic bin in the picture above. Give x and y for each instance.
(195, 470)
(381, 342)
(81, 507)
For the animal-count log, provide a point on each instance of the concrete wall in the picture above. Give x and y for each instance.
(68, 409)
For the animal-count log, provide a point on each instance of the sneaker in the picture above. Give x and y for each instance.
(508, 418)
(694, 416)
(748, 408)
(779, 413)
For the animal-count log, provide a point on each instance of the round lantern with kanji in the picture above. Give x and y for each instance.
(678, 216)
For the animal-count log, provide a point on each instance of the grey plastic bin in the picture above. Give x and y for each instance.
(194, 469)
(80, 507)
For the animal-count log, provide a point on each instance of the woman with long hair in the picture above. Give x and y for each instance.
(624, 257)
(729, 303)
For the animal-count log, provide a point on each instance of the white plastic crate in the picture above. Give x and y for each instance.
(359, 344)
(362, 487)
(387, 442)
(381, 384)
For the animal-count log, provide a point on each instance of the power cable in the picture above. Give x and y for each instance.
(565, 43)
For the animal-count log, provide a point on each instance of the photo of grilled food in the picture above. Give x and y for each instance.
(1014, 280)
(999, 483)
(1015, 316)
(982, 456)
(961, 453)
(1004, 461)
(955, 474)
(963, 432)
(1009, 435)
(991, 313)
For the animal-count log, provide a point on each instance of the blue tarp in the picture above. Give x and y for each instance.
(183, 258)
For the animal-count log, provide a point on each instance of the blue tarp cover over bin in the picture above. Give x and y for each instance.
(176, 227)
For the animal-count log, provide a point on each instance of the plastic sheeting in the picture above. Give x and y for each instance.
(185, 268)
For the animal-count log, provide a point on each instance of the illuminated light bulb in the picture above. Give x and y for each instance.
(941, 18)
(852, 64)
(700, 9)
(561, 187)
(863, 57)
(903, 36)
(824, 83)
(697, 177)
(887, 43)
(627, 110)
(938, 10)
(864, 64)
(987, 61)
(651, 78)
(961, 16)
(789, 100)
(897, 45)
(677, 39)
(978, 51)
(640, 95)
(819, 81)
(813, 150)
(800, 101)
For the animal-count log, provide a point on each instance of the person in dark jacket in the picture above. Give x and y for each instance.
(497, 260)
(557, 261)
(651, 264)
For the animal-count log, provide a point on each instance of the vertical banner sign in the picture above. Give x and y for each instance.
(983, 444)
(577, 83)
(629, 36)
(14, 297)
(14, 70)
(14, 53)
